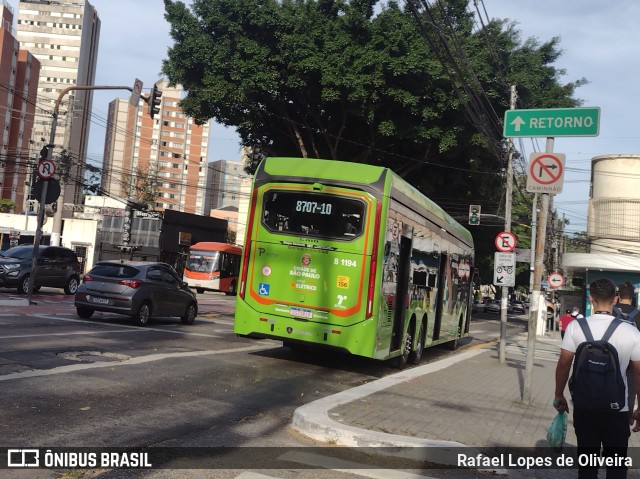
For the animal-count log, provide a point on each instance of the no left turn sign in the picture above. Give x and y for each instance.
(545, 173)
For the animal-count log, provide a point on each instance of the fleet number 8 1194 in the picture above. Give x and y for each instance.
(346, 262)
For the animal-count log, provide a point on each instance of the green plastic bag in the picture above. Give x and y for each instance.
(557, 432)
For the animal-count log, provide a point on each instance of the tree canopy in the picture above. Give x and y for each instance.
(422, 91)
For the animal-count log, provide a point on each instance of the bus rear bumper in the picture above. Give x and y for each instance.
(357, 339)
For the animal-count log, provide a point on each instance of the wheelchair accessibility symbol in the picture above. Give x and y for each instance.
(263, 289)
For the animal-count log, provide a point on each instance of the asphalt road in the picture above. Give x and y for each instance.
(68, 382)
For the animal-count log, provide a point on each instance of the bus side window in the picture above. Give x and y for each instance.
(420, 278)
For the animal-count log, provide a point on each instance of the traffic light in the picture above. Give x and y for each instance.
(44, 153)
(474, 214)
(154, 101)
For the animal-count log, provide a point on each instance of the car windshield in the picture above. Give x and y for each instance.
(19, 252)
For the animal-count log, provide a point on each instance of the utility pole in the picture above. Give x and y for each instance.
(535, 293)
(507, 227)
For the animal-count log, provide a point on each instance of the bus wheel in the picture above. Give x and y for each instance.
(416, 355)
(401, 361)
(200, 290)
(232, 289)
(454, 345)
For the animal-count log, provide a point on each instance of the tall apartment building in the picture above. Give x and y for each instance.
(169, 151)
(224, 178)
(63, 35)
(19, 72)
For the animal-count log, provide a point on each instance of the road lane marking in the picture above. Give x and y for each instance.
(131, 328)
(71, 333)
(133, 361)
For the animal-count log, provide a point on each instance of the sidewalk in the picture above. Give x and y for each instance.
(468, 399)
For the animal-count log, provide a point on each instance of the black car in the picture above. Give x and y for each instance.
(138, 289)
(57, 267)
(518, 307)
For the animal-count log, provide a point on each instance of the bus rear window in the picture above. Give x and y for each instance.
(303, 213)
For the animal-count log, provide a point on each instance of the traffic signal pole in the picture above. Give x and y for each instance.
(57, 217)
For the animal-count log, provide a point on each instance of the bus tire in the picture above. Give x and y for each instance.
(401, 361)
(416, 355)
(200, 290)
(232, 289)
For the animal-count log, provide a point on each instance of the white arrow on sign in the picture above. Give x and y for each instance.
(517, 123)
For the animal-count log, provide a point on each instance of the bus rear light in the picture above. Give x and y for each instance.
(374, 261)
(247, 245)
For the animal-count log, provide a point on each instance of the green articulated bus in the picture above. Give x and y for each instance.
(350, 256)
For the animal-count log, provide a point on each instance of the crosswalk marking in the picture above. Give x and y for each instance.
(253, 475)
(349, 467)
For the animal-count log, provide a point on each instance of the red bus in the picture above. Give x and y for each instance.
(213, 267)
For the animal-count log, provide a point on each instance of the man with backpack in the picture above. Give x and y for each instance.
(603, 347)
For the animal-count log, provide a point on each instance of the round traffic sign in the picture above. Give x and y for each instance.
(546, 169)
(46, 169)
(556, 280)
(505, 242)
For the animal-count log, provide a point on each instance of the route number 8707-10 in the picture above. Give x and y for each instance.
(346, 262)
(314, 207)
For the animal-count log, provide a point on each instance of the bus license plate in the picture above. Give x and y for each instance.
(301, 313)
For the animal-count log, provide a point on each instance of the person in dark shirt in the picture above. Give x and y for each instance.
(626, 311)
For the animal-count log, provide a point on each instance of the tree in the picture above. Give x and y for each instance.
(337, 79)
(143, 186)
(6, 205)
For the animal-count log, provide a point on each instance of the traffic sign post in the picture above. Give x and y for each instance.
(545, 173)
(552, 122)
(504, 269)
(505, 242)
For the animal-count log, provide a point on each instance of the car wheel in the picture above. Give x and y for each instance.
(199, 290)
(190, 314)
(143, 315)
(23, 287)
(72, 286)
(84, 313)
(232, 290)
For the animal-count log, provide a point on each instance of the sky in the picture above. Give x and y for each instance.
(600, 42)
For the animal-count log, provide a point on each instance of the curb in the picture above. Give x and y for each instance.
(313, 419)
